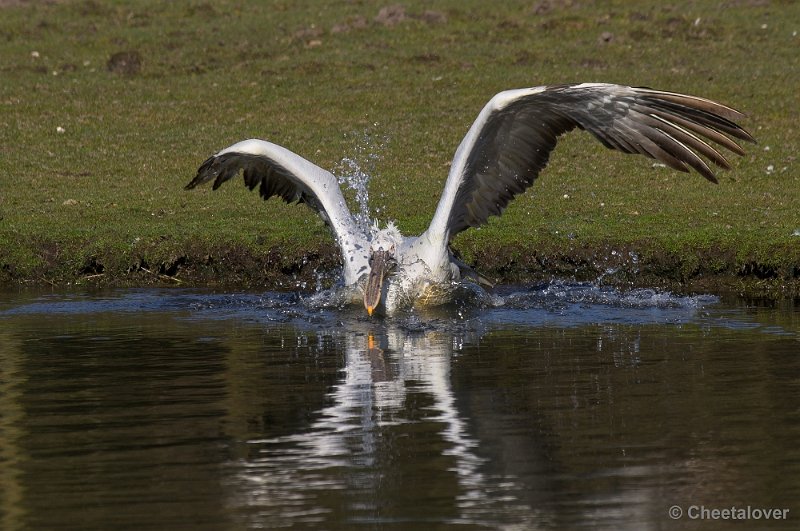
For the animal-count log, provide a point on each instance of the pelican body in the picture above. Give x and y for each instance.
(501, 155)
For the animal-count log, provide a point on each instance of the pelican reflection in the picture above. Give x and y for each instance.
(394, 399)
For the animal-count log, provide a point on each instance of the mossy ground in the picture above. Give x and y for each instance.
(107, 109)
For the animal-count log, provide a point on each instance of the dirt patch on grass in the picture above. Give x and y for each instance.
(127, 63)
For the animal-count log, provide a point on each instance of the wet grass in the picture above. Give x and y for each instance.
(108, 109)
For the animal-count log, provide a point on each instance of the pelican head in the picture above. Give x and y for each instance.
(383, 249)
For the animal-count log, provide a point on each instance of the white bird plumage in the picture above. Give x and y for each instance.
(501, 155)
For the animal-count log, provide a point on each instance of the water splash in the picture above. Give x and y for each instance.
(555, 303)
(561, 292)
(353, 177)
(354, 172)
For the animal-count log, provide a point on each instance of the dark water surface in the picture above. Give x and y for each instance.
(568, 406)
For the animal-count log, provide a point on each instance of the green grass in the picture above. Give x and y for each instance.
(108, 189)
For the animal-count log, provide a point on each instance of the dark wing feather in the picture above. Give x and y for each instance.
(511, 141)
(278, 172)
(272, 179)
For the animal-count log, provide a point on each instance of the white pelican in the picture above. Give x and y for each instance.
(501, 155)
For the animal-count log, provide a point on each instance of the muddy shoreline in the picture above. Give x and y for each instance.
(238, 267)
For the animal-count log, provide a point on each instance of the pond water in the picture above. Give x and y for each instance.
(562, 406)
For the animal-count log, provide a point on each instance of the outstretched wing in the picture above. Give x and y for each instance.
(276, 171)
(511, 140)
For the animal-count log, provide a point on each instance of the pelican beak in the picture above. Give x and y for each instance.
(379, 267)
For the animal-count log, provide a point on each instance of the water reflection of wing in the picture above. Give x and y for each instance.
(427, 358)
(341, 451)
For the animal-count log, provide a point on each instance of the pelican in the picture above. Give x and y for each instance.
(501, 155)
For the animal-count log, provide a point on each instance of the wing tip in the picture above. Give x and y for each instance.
(709, 175)
(204, 174)
(729, 115)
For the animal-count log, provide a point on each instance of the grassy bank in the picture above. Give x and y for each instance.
(107, 109)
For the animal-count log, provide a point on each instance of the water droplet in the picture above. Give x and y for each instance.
(355, 171)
